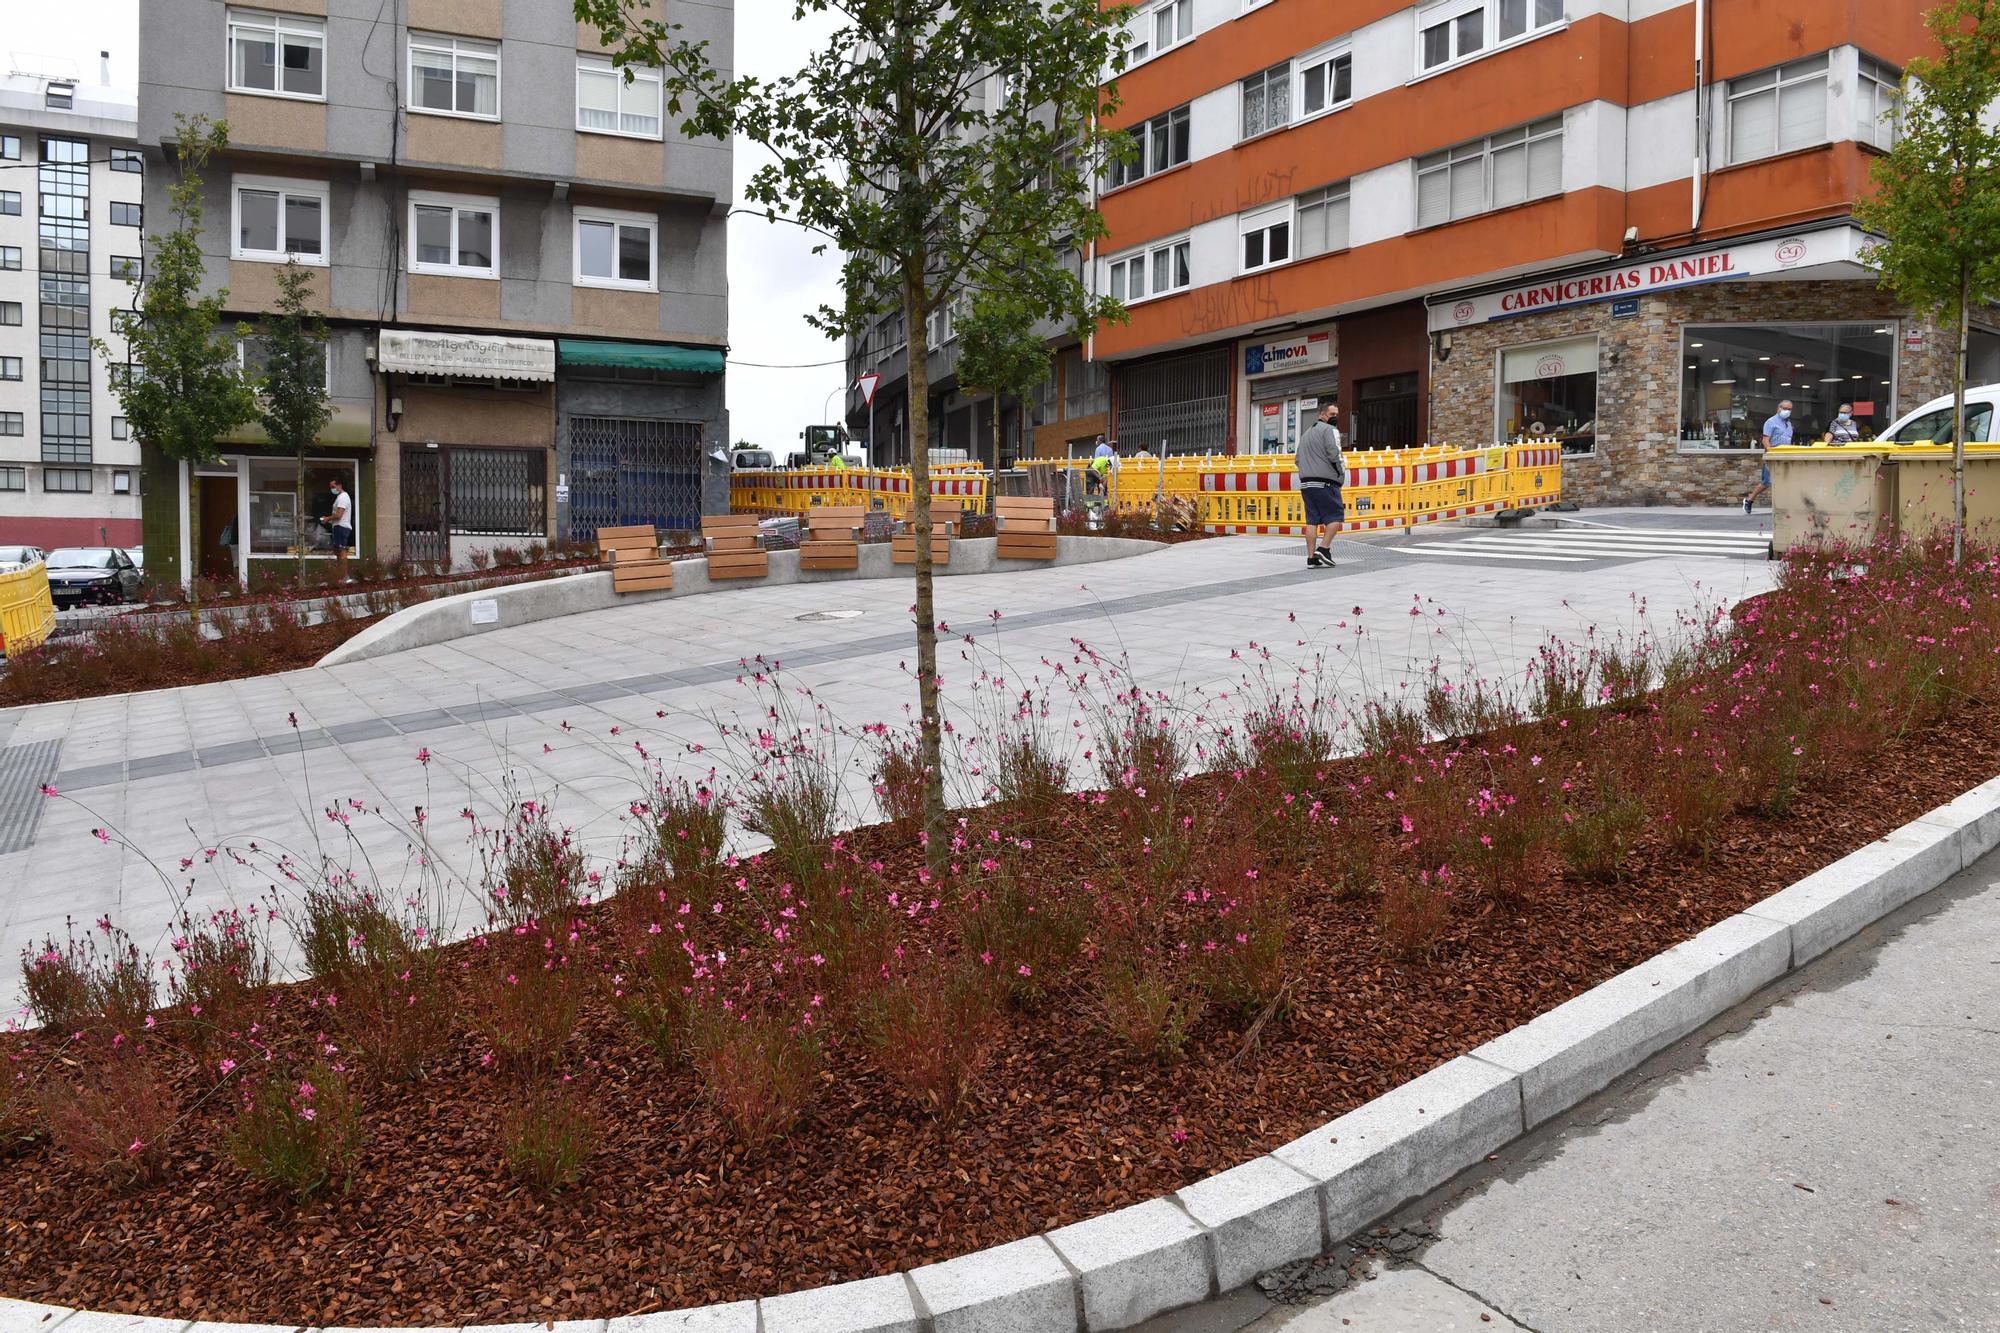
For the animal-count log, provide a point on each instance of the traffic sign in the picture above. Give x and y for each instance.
(867, 385)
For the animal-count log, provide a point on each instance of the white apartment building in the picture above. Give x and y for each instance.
(72, 231)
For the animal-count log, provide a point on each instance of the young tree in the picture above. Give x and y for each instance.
(1001, 352)
(294, 383)
(183, 391)
(936, 145)
(1937, 200)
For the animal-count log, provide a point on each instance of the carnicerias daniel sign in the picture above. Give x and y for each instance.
(1836, 245)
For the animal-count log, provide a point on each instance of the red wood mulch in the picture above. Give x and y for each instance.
(669, 1214)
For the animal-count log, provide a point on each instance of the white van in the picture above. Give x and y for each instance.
(1932, 421)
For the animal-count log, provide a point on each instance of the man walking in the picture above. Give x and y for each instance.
(1777, 431)
(341, 525)
(1322, 475)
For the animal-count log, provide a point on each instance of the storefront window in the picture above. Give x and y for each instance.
(274, 496)
(1733, 376)
(1548, 391)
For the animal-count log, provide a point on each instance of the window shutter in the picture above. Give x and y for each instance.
(1753, 126)
(1802, 108)
(1510, 175)
(1468, 187)
(1545, 167)
(1433, 198)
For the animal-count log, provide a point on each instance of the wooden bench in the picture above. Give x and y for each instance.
(734, 550)
(633, 556)
(833, 537)
(946, 515)
(1027, 528)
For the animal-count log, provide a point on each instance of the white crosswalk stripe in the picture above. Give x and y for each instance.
(1582, 544)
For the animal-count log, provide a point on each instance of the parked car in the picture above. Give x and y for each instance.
(1932, 421)
(15, 558)
(753, 458)
(92, 576)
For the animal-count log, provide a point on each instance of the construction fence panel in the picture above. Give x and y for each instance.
(27, 612)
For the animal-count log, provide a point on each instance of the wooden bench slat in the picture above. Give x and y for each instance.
(1026, 546)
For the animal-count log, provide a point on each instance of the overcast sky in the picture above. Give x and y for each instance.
(774, 279)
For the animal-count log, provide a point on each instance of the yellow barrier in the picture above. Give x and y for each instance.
(1248, 493)
(27, 614)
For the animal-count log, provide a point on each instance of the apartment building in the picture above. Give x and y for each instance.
(521, 260)
(71, 186)
(1625, 225)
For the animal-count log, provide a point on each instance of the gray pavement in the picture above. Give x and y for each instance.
(170, 773)
(1825, 1157)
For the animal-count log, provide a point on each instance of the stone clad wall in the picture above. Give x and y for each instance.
(1639, 382)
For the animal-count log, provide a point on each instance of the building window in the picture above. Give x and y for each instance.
(1778, 110)
(1461, 29)
(10, 203)
(13, 423)
(10, 147)
(1159, 28)
(10, 257)
(455, 76)
(1733, 376)
(1509, 168)
(1266, 236)
(10, 368)
(253, 358)
(607, 104)
(1160, 143)
(1157, 271)
(121, 320)
(119, 429)
(60, 95)
(13, 479)
(615, 250)
(66, 480)
(1322, 220)
(1548, 391)
(453, 235)
(127, 268)
(281, 55)
(1880, 88)
(128, 215)
(941, 325)
(274, 497)
(280, 220)
(127, 159)
(1326, 81)
(1086, 385)
(1267, 100)
(10, 313)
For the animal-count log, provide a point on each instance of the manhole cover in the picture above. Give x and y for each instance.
(815, 617)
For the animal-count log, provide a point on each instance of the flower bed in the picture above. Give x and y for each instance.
(834, 1060)
(157, 652)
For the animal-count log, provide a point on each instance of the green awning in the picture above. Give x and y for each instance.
(640, 356)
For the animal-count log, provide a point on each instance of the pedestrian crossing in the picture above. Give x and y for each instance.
(1581, 545)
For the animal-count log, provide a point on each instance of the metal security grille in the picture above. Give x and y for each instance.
(626, 470)
(425, 536)
(1180, 405)
(496, 492)
(63, 232)
(1385, 412)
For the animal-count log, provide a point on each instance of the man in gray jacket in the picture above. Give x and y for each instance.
(1322, 475)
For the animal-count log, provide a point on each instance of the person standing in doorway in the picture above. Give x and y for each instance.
(1322, 476)
(1777, 431)
(341, 524)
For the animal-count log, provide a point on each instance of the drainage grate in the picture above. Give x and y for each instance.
(816, 617)
(24, 770)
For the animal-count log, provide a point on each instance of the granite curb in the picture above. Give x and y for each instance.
(1210, 1237)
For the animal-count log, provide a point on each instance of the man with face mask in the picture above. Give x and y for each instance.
(1845, 429)
(1777, 431)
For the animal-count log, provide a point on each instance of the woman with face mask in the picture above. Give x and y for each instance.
(1845, 429)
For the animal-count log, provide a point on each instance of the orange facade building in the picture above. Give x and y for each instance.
(1621, 224)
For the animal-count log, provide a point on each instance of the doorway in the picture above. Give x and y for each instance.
(217, 561)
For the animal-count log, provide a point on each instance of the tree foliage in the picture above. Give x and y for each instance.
(1937, 192)
(937, 146)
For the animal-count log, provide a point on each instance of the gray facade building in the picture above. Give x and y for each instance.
(522, 261)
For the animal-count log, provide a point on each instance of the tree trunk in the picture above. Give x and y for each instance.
(993, 487)
(299, 522)
(1958, 417)
(193, 574)
(931, 732)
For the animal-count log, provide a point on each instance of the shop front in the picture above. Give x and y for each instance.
(1282, 383)
(1175, 404)
(1656, 375)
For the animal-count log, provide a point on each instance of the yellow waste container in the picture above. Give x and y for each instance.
(1828, 493)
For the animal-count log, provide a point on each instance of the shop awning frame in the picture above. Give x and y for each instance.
(465, 355)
